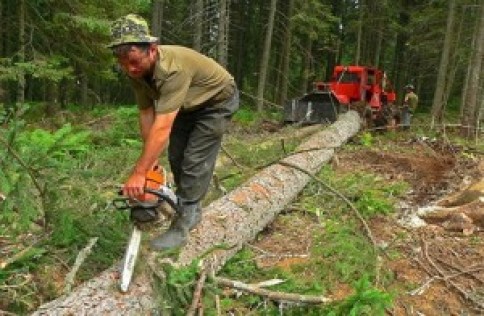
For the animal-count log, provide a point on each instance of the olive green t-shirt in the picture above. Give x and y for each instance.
(411, 99)
(182, 79)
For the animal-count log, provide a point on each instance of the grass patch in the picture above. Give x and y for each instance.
(340, 252)
(245, 117)
(254, 153)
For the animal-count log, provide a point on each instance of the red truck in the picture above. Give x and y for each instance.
(365, 89)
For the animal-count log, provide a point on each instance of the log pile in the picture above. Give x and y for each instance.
(228, 223)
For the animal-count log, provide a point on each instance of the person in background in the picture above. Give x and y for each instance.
(410, 103)
(185, 102)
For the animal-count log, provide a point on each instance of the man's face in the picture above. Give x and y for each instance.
(138, 63)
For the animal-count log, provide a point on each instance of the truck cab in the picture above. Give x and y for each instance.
(353, 84)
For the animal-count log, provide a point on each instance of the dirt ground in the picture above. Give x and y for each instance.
(439, 271)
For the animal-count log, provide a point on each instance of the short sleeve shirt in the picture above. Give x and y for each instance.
(411, 99)
(182, 79)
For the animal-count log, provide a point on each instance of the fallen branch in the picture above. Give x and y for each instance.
(351, 205)
(428, 149)
(24, 165)
(28, 280)
(217, 305)
(197, 293)
(79, 260)
(259, 99)
(432, 263)
(234, 161)
(268, 283)
(296, 209)
(218, 184)
(94, 121)
(468, 271)
(448, 281)
(294, 153)
(15, 257)
(266, 254)
(272, 295)
(340, 195)
(421, 289)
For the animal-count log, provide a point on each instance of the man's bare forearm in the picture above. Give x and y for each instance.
(155, 141)
(146, 118)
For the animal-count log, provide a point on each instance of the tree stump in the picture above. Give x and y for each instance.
(460, 212)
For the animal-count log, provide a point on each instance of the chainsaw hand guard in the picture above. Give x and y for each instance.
(146, 211)
(143, 215)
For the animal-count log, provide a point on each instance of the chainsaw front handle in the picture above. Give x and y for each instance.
(164, 194)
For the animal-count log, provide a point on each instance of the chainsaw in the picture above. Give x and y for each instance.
(143, 209)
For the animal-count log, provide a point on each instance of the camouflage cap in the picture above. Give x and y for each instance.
(130, 29)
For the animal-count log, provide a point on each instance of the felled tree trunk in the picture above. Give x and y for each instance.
(227, 224)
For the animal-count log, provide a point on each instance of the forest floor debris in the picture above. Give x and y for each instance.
(438, 271)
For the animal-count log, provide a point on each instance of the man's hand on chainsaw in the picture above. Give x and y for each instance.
(144, 193)
(134, 186)
(138, 182)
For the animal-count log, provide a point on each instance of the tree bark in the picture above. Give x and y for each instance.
(52, 98)
(438, 102)
(264, 65)
(454, 60)
(398, 66)
(198, 21)
(222, 33)
(307, 66)
(2, 30)
(2, 39)
(286, 53)
(157, 18)
(84, 89)
(227, 224)
(359, 34)
(471, 106)
(21, 53)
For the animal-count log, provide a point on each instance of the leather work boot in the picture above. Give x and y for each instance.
(188, 217)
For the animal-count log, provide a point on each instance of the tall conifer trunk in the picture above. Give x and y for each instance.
(438, 102)
(222, 41)
(264, 65)
(198, 21)
(470, 111)
(157, 18)
(286, 53)
(21, 52)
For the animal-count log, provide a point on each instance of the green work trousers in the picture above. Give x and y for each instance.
(195, 141)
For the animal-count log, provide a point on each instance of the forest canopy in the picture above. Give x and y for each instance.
(53, 52)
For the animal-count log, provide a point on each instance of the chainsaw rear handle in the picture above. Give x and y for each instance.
(124, 203)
